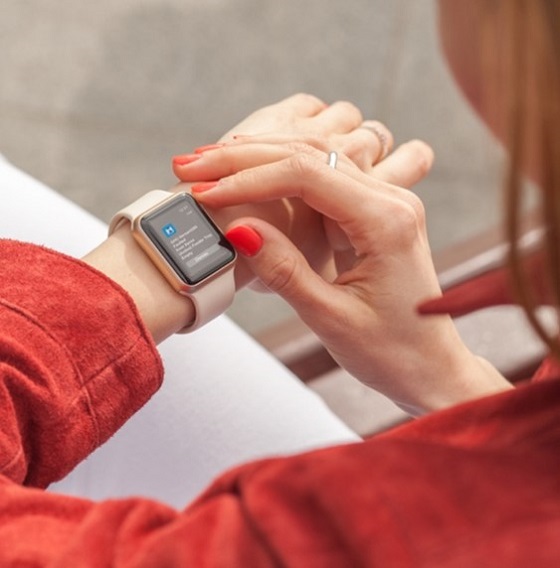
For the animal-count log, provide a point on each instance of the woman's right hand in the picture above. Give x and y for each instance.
(367, 316)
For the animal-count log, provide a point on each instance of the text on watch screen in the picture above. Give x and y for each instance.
(188, 239)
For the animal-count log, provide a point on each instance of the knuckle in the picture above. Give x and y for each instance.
(244, 178)
(281, 277)
(405, 220)
(402, 215)
(299, 146)
(368, 137)
(309, 146)
(306, 99)
(350, 109)
(305, 166)
(366, 140)
(418, 207)
(362, 146)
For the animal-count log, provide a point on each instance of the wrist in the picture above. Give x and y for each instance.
(469, 378)
(162, 309)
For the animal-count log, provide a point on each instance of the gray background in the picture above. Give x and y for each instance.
(97, 96)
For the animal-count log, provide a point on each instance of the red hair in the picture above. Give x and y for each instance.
(523, 84)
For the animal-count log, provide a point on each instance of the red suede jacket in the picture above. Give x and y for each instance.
(475, 486)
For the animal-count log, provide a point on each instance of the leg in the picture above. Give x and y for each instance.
(224, 400)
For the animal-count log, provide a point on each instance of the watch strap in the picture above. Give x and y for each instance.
(138, 207)
(212, 300)
(216, 294)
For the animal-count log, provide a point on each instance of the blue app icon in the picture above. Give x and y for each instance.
(169, 230)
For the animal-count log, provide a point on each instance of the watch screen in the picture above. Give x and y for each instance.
(188, 239)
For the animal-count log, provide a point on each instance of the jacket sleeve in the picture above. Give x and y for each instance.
(75, 362)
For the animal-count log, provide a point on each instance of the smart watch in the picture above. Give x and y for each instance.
(187, 247)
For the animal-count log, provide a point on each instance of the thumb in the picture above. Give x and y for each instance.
(281, 267)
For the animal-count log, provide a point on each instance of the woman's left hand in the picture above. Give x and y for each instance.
(339, 126)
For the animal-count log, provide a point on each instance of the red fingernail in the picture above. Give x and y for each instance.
(203, 186)
(185, 159)
(205, 148)
(246, 240)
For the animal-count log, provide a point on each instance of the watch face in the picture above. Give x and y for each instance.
(188, 239)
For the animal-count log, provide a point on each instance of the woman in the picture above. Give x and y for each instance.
(472, 485)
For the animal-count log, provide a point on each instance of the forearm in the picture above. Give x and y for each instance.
(163, 310)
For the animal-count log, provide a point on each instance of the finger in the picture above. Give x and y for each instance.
(231, 158)
(226, 160)
(407, 165)
(384, 138)
(349, 202)
(373, 216)
(362, 146)
(282, 268)
(363, 155)
(341, 117)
